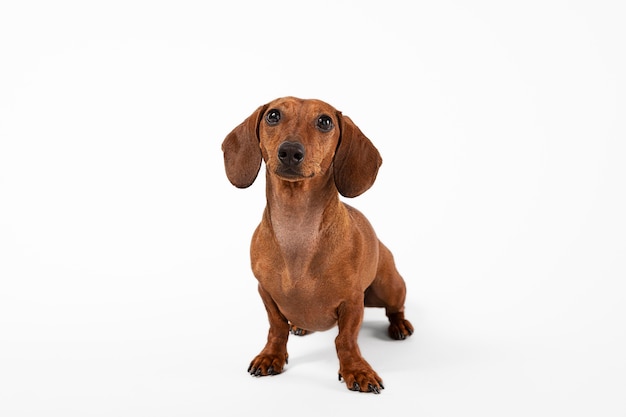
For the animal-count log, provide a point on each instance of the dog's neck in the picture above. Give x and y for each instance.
(297, 211)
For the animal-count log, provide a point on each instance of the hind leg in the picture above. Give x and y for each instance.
(388, 290)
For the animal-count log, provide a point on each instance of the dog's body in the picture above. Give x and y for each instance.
(317, 260)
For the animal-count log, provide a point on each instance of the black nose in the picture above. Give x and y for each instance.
(291, 153)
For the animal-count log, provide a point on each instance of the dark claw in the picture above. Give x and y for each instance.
(339, 375)
(251, 370)
(270, 371)
(381, 386)
(373, 389)
(356, 386)
(258, 372)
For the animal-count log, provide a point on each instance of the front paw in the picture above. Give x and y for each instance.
(362, 380)
(268, 364)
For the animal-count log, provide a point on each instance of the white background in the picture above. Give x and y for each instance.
(125, 287)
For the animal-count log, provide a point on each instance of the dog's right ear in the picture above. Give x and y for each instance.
(242, 154)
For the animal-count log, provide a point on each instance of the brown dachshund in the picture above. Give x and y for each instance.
(317, 260)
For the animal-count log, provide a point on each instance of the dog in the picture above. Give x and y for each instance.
(317, 260)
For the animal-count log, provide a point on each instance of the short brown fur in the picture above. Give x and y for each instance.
(317, 260)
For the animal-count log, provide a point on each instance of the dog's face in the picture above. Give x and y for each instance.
(298, 140)
(298, 137)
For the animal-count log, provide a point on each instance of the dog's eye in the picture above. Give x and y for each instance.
(272, 117)
(324, 123)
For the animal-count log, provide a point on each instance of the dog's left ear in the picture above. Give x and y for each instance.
(356, 160)
(242, 153)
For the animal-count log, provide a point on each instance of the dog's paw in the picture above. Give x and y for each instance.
(267, 364)
(362, 381)
(298, 331)
(399, 327)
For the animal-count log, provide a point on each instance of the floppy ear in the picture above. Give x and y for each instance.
(242, 154)
(356, 160)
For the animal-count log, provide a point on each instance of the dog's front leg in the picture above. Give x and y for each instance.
(355, 371)
(273, 357)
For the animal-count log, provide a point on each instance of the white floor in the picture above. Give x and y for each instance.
(179, 343)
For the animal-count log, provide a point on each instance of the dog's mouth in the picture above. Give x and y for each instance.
(291, 174)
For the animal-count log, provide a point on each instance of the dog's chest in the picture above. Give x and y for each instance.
(297, 233)
(297, 242)
(300, 241)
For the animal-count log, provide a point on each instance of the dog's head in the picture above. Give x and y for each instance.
(298, 140)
